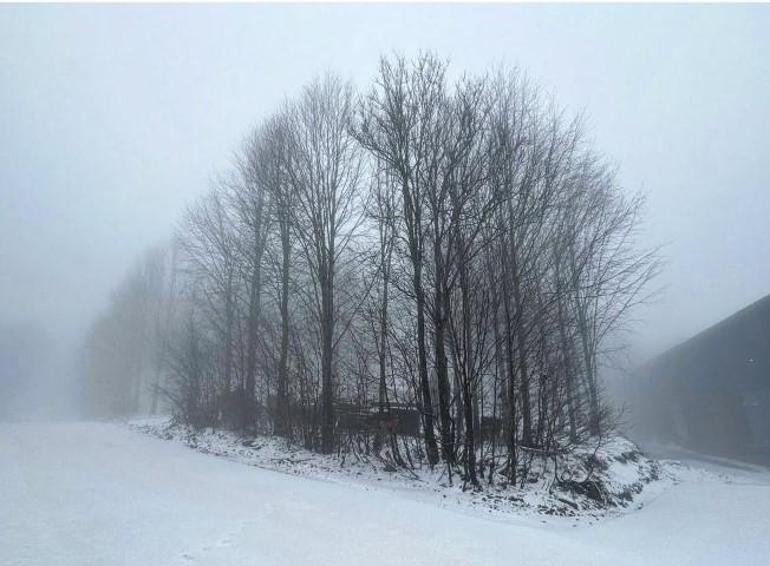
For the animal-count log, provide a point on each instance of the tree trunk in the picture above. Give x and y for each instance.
(382, 390)
(327, 361)
(427, 406)
(442, 377)
(255, 305)
(283, 427)
(521, 347)
(594, 417)
(568, 372)
(467, 371)
(510, 432)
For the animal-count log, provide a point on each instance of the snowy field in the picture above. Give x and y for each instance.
(101, 494)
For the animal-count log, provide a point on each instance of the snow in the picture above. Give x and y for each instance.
(623, 473)
(101, 494)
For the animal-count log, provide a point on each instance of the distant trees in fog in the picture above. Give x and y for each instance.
(123, 361)
(429, 258)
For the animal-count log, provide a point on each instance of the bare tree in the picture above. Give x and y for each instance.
(249, 195)
(394, 128)
(208, 244)
(277, 182)
(609, 276)
(325, 170)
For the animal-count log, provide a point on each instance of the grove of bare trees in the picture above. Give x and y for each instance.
(430, 270)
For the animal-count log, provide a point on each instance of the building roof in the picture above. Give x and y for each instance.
(734, 352)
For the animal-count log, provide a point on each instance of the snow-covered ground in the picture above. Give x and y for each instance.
(594, 480)
(101, 494)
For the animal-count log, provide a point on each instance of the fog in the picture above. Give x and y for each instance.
(388, 284)
(113, 119)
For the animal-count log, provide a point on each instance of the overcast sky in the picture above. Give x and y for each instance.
(113, 118)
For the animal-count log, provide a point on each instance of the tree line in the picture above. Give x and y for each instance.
(430, 270)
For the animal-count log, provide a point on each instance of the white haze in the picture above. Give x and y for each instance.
(113, 118)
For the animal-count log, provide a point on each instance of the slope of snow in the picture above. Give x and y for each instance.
(99, 494)
(621, 477)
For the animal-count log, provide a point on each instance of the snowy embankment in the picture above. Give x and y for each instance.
(595, 481)
(94, 494)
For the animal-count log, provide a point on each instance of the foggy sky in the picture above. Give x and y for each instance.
(113, 118)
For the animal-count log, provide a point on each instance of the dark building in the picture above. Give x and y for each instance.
(712, 392)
